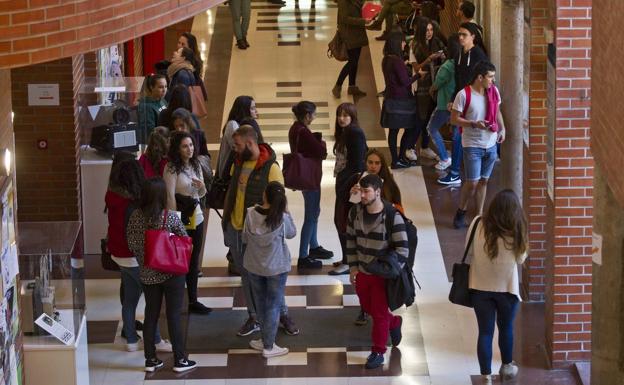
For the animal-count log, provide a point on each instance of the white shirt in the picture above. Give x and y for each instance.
(475, 137)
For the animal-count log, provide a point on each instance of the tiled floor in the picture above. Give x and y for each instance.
(286, 63)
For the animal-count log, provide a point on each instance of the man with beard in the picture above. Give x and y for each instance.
(254, 167)
(367, 241)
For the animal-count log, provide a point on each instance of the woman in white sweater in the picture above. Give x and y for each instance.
(185, 186)
(500, 244)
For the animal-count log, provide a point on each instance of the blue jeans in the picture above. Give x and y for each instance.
(458, 153)
(312, 204)
(269, 295)
(437, 120)
(479, 162)
(489, 307)
(132, 290)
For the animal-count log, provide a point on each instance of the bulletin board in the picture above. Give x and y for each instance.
(11, 354)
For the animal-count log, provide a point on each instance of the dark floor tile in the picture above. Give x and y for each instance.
(101, 332)
(288, 43)
(288, 84)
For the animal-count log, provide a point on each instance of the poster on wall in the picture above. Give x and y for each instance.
(110, 67)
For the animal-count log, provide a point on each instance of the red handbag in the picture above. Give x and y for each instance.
(167, 252)
(301, 173)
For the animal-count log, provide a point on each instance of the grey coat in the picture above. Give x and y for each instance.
(350, 23)
(266, 252)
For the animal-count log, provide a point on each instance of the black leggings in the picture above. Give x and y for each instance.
(350, 68)
(410, 135)
(191, 277)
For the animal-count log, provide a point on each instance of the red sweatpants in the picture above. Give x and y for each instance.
(371, 291)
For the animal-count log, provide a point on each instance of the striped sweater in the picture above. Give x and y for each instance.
(365, 242)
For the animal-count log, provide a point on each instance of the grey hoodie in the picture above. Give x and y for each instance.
(266, 253)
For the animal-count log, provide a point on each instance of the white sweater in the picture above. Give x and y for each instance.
(182, 183)
(499, 274)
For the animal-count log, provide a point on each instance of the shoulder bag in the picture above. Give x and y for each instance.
(460, 292)
(337, 48)
(167, 252)
(301, 173)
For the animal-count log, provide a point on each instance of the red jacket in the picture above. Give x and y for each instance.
(148, 169)
(116, 205)
(303, 141)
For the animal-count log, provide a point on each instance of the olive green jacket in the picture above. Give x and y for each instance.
(350, 23)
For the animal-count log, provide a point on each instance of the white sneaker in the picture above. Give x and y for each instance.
(256, 345)
(164, 346)
(486, 379)
(411, 154)
(428, 153)
(276, 351)
(508, 371)
(443, 164)
(133, 347)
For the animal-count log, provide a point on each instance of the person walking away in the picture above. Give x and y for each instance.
(442, 89)
(267, 259)
(476, 110)
(151, 214)
(185, 187)
(310, 145)
(368, 240)
(253, 169)
(349, 149)
(351, 28)
(500, 244)
(151, 103)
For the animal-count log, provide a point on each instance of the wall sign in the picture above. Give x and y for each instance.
(43, 95)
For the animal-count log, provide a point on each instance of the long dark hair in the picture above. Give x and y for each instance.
(276, 198)
(185, 116)
(176, 164)
(302, 109)
(394, 43)
(241, 108)
(390, 190)
(505, 219)
(126, 174)
(153, 198)
(339, 132)
(192, 43)
(157, 148)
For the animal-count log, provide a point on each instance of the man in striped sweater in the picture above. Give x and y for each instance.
(367, 239)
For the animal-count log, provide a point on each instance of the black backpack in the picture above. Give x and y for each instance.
(410, 229)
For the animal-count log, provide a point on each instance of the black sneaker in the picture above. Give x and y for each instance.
(459, 221)
(250, 326)
(152, 364)
(309, 263)
(199, 308)
(289, 326)
(246, 42)
(321, 253)
(374, 360)
(362, 319)
(395, 334)
(399, 164)
(183, 365)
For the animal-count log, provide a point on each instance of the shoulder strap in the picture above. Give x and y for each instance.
(467, 104)
(472, 234)
(390, 213)
(165, 219)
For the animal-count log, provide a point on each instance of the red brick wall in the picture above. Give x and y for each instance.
(570, 297)
(535, 162)
(43, 30)
(607, 133)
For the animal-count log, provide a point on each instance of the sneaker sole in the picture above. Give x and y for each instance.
(151, 369)
(449, 183)
(275, 354)
(248, 333)
(184, 369)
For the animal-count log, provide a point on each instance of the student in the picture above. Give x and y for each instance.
(367, 240)
(267, 259)
(184, 180)
(182, 120)
(182, 70)
(482, 127)
(500, 244)
(154, 159)
(156, 285)
(152, 103)
(303, 141)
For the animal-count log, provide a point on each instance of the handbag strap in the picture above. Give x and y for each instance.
(472, 234)
(164, 226)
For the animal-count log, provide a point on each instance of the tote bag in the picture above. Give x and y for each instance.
(167, 252)
(198, 102)
(301, 173)
(460, 292)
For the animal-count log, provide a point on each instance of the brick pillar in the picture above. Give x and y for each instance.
(535, 161)
(568, 299)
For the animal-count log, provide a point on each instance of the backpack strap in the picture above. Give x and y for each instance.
(390, 213)
(468, 92)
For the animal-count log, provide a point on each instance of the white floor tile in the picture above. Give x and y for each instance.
(209, 359)
(350, 300)
(293, 358)
(217, 302)
(296, 300)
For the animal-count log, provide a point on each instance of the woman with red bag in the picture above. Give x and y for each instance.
(152, 214)
(310, 145)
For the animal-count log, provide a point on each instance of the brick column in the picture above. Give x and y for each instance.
(568, 299)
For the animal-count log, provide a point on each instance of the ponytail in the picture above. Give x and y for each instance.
(276, 198)
(302, 109)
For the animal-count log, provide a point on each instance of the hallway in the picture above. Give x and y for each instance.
(287, 63)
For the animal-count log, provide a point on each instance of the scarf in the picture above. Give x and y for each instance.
(177, 65)
(491, 111)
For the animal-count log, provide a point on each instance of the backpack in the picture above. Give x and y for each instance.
(410, 229)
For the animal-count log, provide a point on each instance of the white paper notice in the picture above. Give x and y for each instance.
(13, 359)
(59, 331)
(597, 248)
(43, 95)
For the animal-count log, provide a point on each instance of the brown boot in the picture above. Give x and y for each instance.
(355, 91)
(336, 91)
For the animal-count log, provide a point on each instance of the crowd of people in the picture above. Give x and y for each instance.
(431, 80)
